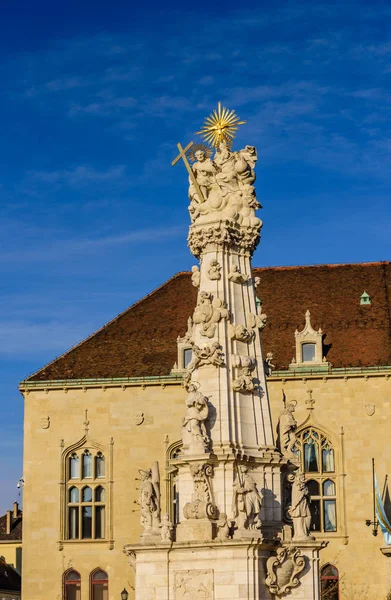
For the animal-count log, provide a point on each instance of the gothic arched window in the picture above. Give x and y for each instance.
(72, 585)
(317, 459)
(99, 585)
(172, 492)
(86, 501)
(329, 583)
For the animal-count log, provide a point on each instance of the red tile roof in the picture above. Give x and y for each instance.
(141, 341)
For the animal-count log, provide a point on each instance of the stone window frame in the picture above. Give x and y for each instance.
(337, 476)
(172, 453)
(66, 483)
(98, 581)
(72, 582)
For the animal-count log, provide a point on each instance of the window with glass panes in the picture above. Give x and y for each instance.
(72, 584)
(329, 583)
(86, 496)
(99, 585)
(318, 464)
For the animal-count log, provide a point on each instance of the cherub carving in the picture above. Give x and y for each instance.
(166, 528)
(207, 355)
(208, 313)
(236, 276)
(196, 276)
(214, 270)
(241, 333)
(222, 527)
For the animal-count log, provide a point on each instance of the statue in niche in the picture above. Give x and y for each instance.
(194, 434)
(236, 276)
(214, 270)
(300, 509)
(226, 183)
(246, 500)
(286, 428)
(208, 312)
(166, 528)
(222, 527)
(149, 500)
(196, 276)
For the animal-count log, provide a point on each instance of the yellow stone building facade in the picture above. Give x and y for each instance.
(98, 414)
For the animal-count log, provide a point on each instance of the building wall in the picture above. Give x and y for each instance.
(12, 553)
(115, 412)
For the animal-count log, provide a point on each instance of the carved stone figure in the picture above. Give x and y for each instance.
(241, 333)
(208, 312)
(202, 504)
(286, 427)
(214, 270)
(226, 183)
(204, 171)
(236, 276)
(300, 509)
(244, 382)
(257, 281)
(207, 355)
(246, 500)
(193, 584)
(268, 363)
(196, 276)
(166, 528)
(194, 434)
(222, 527)
(259, 320)
(283, 570)
(149, 500)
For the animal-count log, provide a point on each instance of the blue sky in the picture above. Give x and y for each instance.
(96, 95)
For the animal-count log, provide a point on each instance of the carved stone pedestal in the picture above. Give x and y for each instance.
(195, 529)
(196, 571)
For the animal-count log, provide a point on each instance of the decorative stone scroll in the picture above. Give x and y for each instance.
(208, 312)
(283, 570)
(202, 505)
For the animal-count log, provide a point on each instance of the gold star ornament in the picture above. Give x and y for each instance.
(221, 126)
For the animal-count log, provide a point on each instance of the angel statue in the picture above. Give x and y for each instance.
(149, 500)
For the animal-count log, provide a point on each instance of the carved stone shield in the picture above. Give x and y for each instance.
(283, 570)
(370, 409)
(45, 422)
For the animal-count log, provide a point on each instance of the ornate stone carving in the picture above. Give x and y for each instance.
(236, 276)
(241, 333)
(222, 234)
(300, 509)
(214, 270)
(45, 422)
(283, 570)
(149, 500)
(370, 409)
(286, 427)
(196, 276)
(246, 500)
(259, 320)
(194, 584)
(202, 504)
(207, 355)
(257, 281)
(268, 363)
(222, 527)
(204, 171)
(208, 312)
(194, 434)
(138, 418)
(244, 382)
(166, 528)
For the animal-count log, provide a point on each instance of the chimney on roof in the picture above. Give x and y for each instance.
(9, 522)
(16, 510)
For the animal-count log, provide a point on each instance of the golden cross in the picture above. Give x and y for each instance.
(182, 155)
(310, 401)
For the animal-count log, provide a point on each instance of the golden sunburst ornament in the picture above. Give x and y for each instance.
(221, 126)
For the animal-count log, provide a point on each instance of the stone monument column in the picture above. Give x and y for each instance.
(229, 541)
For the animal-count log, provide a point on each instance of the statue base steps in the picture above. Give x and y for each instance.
(218, 570)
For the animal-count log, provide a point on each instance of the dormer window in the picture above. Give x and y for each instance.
(185, 351)
(308, 352)
(365, 299)
(309, 347)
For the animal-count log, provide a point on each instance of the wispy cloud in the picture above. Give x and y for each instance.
(81, 175)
